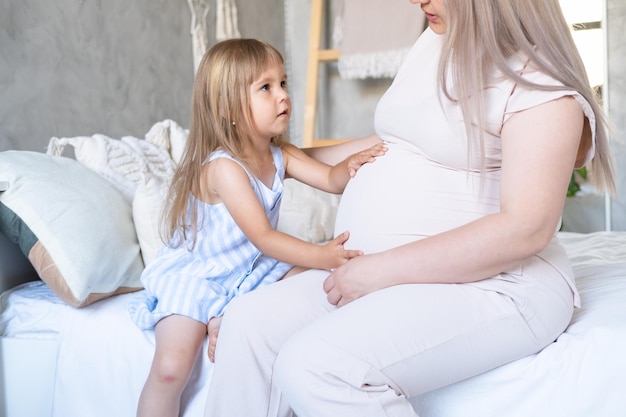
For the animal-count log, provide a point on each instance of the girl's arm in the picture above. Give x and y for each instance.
(333, 154)
(328, 178)
(539, 147)
(231, 186)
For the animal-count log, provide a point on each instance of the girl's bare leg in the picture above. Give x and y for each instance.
(178, 341)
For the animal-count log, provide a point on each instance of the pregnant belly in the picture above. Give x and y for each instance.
(403, 197)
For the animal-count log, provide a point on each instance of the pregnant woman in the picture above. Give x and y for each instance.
(462, 271)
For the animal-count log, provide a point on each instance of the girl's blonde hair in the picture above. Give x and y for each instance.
(221, 117)
(482, 34)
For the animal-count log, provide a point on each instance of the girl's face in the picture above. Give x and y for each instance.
(269, 101)
(435, 13)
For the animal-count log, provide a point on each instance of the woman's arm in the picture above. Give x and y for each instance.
(231, 186)
(539, 147)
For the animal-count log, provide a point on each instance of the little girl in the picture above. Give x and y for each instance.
(222, 210)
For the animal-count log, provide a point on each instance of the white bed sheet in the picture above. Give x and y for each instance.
(583, 373)
(103, 358)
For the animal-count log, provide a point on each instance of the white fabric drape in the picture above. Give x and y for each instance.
(226, 25)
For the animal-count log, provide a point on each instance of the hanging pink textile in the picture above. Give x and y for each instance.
(374, 36)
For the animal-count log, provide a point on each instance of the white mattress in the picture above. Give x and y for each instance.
(103, 358)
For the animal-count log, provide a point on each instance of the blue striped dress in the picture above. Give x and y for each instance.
(199, 283)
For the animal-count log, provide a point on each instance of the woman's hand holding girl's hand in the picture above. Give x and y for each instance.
(335, 254)
(359, 277)
(369, 155)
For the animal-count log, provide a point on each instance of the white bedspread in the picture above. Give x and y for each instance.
(582, 374)
(103, 358)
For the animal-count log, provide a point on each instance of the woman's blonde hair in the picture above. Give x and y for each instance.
(221, 117)
(482, 34)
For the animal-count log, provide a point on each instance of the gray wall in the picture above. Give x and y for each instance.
(345, 107)
(71, 67)
(75, 67)
(262, 19)
(116, 67)
(616, 10)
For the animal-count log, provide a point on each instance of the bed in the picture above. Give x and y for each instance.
(57, 360)
(93, 361)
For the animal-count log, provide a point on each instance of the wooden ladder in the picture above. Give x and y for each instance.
(317, 56)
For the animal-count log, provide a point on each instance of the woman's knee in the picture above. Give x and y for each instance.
(293, 367)
(302, 361)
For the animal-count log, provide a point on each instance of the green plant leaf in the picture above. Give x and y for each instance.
(574, 186)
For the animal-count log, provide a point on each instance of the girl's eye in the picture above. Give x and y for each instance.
(283, 84)
(265, 87)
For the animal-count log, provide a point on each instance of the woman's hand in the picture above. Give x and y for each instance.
(335, 253)
(359, 277)
(368, 155)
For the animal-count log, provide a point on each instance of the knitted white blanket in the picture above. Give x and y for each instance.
(129, 161)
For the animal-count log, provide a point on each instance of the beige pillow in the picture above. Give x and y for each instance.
(307, 213)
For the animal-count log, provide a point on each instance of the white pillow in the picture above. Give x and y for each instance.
(75, 227)
(147, 206)
(124, 162)
(169, 135)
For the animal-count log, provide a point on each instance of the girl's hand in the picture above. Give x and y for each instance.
(359, 277)
(335, 254)
(368, 155)
(213, 329)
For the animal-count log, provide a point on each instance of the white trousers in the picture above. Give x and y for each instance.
(283, 349)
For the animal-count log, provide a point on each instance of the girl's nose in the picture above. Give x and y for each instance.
(283, 94)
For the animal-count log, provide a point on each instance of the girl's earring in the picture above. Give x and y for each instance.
(233, 123)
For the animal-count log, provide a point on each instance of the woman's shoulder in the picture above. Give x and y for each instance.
(543, 88)
(536, 86)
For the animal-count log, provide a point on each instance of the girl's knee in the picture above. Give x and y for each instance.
(172, 369)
